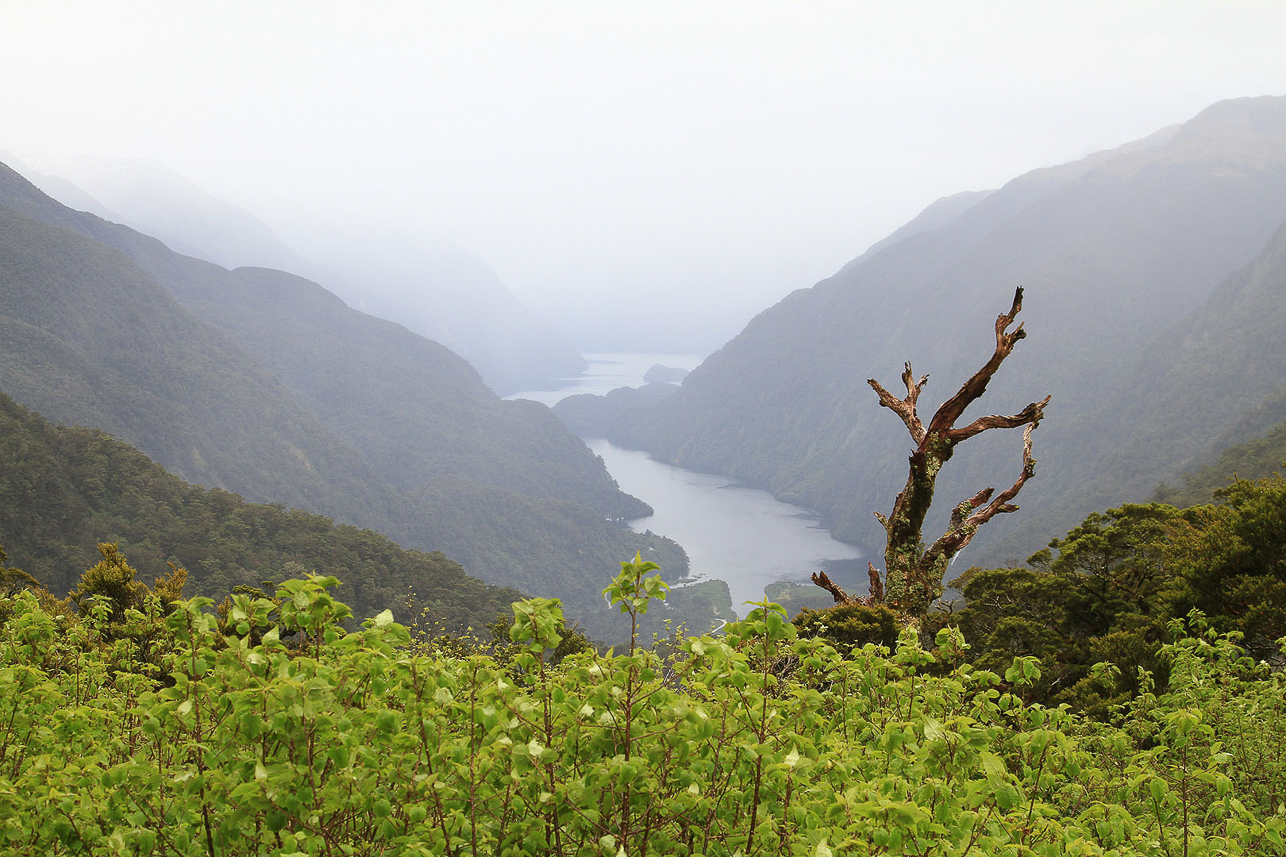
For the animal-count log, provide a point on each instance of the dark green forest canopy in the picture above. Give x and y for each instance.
(1113, 589)
(65, 490)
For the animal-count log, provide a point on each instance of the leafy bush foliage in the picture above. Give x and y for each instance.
(850, 625)
(1111, 588)
(315, 740)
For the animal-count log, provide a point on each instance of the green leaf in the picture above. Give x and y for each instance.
(1158, 788)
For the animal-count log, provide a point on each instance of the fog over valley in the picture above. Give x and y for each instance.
(643, 177)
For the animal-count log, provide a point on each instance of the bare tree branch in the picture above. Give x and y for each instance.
(963, 529)
(823, 580)
(972, 389)
(1001, 503)
(904, 408)
(842, 598)
(1031, 413)
(877, 585)
(959, 512)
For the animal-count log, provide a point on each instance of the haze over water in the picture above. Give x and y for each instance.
(607, 371)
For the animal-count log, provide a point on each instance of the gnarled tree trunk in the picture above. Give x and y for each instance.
(913, 574)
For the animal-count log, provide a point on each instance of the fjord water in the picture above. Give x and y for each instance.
(731, 532)
(608, 371)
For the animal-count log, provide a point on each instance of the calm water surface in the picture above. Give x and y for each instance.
(733, 533)
(606, 372)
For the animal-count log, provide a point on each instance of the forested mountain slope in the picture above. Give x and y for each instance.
(1213, 380)
(263, 383)
(64, 490)
(1252, 459)
(418, 410)
(1114, 251)
(87, 337)
(431, 287)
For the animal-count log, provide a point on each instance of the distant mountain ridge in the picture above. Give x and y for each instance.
(453, 297)
(432, 288)
(157, 201)
(263, 383)
(1117, 252)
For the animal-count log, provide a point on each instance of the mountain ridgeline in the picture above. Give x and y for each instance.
(431, 286)
(262, 383)
(1156, 292)
(453, 297)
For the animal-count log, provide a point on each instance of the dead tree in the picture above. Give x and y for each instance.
(913, 573)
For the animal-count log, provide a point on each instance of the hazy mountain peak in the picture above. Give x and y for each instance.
(982, 210)
(442, 291)
(157, 200)
(422, 281)
(59, 188)
(1251, 131)
(1261, 115)
(938, 214)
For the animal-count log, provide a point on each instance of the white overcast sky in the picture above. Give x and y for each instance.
(619, 164)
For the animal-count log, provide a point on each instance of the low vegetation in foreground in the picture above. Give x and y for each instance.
(263, 727)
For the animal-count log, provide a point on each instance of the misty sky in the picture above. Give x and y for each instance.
(642, 173)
